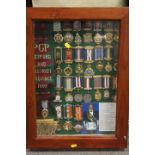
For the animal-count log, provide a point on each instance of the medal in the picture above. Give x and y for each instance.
(87, 81)
(67, 26)
(78, 82)
(97, 82)
(58, 109)
(98, 95)
(78, 127)
(106, 94)
(87, 98)
(77, 112)
(106, 81)
(114, 79)
(87, 25)
(99, 66)
(69, 98)
(68, 70)
(58, 55)
(108, 37)
(58, 38)
(68, 84)
(68, 126)
(108, 52)
(78, 54)
(89, 54)
(58, 82)
(68, 55)
(88, 38)
(44, 112)
(56, 26)
(79, 69)
(89, 71)
(97, 26)
(77, 25)
(58, 70)
(78, 97)
(67, 111)
(78, 39)
(98, 38)
(108, 67)
(68, 37)
(57, 97)
(98, 52)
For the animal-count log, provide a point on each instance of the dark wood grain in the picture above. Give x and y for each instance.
(60, 142)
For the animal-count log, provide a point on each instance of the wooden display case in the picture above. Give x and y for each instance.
(99, 122)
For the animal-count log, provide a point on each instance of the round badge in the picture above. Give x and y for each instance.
(68, 70)
(108, 37)
(78, 97)
(58, 38)
(79, 69)
(99, 66)
(77, 127)
(68, 98)
(68, 37)
(108, 67)
(44, 113)
(89, 72)
(67, 125)
(87, 98)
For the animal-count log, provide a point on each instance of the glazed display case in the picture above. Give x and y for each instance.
(77, 78)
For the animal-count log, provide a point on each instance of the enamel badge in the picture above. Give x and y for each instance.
(58, 38)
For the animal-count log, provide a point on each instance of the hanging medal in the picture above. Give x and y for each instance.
(58, 38)
(98, 95)
(79, 69)
(108, 52)
(78, 82)
(58, 70)
(58, 82)
(68, 111)
(89, 71)
(77, 25)
(87, 83)
(106, 81)
(68, 55)
(108, 37)
(106, 94)
(58, 109)
(44, 112)
(68, 37)
(78, 39)
(57, 97)
(56, 26)
(78, 54)
(68, 70)
(87, 98)
(77, 127)
(67, 126)
(69, 98)
(68, 84)
(78, 97)
(58, 55)
(89, 54)
(97, 26)
(98, 38)
(97, 82)
(77, 112)
(108, 67)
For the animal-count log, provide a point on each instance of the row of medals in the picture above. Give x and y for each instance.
(68, 38)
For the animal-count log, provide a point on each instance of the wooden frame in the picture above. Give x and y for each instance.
(61, 142)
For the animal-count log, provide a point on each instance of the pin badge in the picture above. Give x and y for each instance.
(108, 67)
(87, 98)
(78, 39)
(68, 37)
(78, 97)
(57, 97)
(68, 71)
(88, 38)
(67, 126)
(69, 98)
(98, 38)
(108, 37)
(99, 66)
(79, 69)
(106, 94)
(98, 95)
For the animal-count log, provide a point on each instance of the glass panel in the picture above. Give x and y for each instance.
(76, 77)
